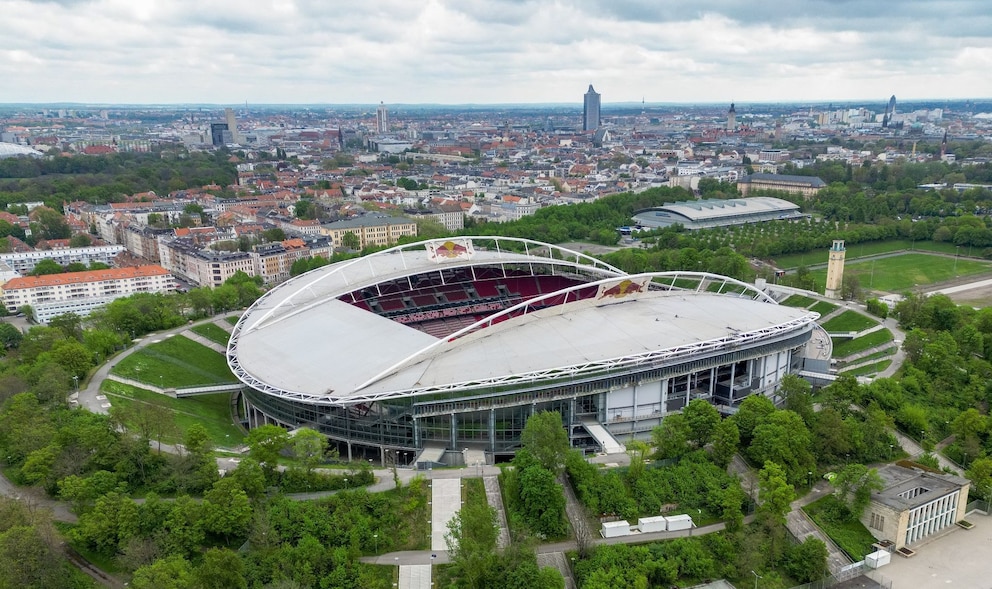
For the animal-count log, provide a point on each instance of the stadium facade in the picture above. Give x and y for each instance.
(452, 344)
(715, 212)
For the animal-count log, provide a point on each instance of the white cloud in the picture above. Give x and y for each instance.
(451, 51)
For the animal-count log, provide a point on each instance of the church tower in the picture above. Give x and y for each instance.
(731, 119)
(835, 269)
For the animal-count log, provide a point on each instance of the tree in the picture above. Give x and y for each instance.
(726, 440)
(752, 412)
(798, 396)
(274, 234)
(226, 509)
(807, 562)
(784, 439)
(671, 438)
(350, 241)
(220, 569)
(471, 540)
(265, 443)
(46, 267)
(80, 240)
(776, 494)
(701, 418)
(854, 485)
(545, 438)
(308, 447)
(542, 501)
(171, 572)
(29, 558)
(10, 336)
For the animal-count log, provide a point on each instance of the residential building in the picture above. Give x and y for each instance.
(381, 119)
(81, 292)
(273, 261)
(24, 262)
(370, 229)
(450, 216)
(203, 267)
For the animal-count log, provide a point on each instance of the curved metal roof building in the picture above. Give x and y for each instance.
(702, 214)
(454, 342)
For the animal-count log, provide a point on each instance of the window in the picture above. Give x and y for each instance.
(877, 522)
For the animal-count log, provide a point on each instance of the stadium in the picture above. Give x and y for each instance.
(707, 213)
(445, 346)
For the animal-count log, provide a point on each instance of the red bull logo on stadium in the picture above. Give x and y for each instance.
(621, 289)
(450, 250)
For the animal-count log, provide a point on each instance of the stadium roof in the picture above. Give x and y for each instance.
(716, 212)
(324, 350)
(784, 179)
(13, 149)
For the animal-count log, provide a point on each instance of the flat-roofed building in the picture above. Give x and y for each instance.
(703, 214)
(804, 185)
(915, 504)
(24, 262)
(203, 267)
(81, 292)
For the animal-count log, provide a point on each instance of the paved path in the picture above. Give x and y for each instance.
(557, 560)
(802, 527)
(204, 341)
(415, 576)
(446, 500)
(495, 500)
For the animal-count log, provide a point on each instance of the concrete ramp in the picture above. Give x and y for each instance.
(429, 457)
(415, 576)
(607, 442)
(446, 500)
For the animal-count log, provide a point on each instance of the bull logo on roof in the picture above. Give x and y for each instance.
(621, 289)
(450, 249)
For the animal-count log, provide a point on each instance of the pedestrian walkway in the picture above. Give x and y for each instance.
(802, 527)
(415, 576)
(446, 500)
(223, 324)
(204, 341)
(495, 500)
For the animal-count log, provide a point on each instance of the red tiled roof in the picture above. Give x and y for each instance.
(85, 276)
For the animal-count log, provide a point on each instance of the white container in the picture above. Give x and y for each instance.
(878, 559)
(657, 523)
(615, 529)
(679, 522)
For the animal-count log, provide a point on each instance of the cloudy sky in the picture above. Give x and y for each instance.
(492, 51)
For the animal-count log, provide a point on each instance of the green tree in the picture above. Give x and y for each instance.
(785, 440)
(545, 438)
(471, 540)
(30, 558)
(752, 412)
(265, 443)
(726, 440)
(309, 447)
(10, 336)
(798, 395)
(46, 267)
(171, 572)
(220, 569)
(701, 418)
(226, 509)
(350, 241)
(807, 562)
(775, 494)
(671, 438)
(854, 485)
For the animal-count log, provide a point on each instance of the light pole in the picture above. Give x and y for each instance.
(809, 478)
(75, 382)
(376, 538)
(756, 577)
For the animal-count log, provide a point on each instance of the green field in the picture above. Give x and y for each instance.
(789, 261)
(233, 319)
(212, 332)
(875, 356)
(823, 308)
(852, 536)
(798, 301)
(211, 411)
(849, 321)
(175, 362)
(868, 368)
(901, 273)
(844, 348)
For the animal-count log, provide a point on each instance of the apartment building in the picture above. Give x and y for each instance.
(203, 267)
(273, 261)
(370, 229)
(24, 262)
(81, 292)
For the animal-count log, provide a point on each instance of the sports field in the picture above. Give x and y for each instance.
(901, 273)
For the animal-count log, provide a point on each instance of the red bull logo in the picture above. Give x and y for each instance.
(621, 289)
(450, 249)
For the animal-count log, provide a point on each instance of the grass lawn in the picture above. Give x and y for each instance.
(212, 332)
(904, 272)
(868, 368)
(852, 536)
(233, 319)
(798, 301)
(844, 348)
(211, 411)
(175, 362)
(876, 356)
(823, 308)
(788, 261)
(849, 321)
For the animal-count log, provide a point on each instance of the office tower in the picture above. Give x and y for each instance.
(590, 110)
(381, 119)
(732, 119)
(232, 125)
(219, 134)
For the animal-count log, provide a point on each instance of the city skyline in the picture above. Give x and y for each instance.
(493, 52)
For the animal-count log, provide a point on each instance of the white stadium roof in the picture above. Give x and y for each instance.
(13, 149)
(301, 342)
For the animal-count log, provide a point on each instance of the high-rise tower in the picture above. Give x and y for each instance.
(232, 125)
(731, 119)
(590, 110)
(835, 269)
(381, 119)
